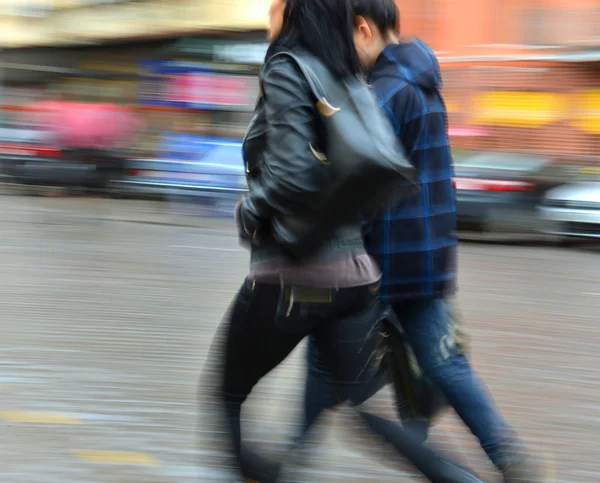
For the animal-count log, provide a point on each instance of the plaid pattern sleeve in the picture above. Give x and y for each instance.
(415, 243)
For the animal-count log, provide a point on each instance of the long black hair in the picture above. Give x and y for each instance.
(324, 28)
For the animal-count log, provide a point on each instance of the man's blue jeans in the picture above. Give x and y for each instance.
(427, 324)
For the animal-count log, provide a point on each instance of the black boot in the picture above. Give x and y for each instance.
(257, 468)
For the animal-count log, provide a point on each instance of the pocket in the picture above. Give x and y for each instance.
(294, 318)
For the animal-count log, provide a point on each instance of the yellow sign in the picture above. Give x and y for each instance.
(538, 109)
(585, 113)
(451, 106)
(510, 108)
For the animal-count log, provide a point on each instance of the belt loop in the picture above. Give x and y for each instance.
(291, 306)
(292, 295)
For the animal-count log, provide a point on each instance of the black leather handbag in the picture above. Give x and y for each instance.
(368, 165)
(417, 397)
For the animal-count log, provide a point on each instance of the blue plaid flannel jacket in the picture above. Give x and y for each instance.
(415, 243)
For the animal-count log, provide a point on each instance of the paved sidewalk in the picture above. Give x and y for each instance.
(106, 325)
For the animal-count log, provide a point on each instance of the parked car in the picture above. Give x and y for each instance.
(22, 147)
(500, 191)
(572, 210)
(66, 144)
(198, 167)
(72, 145)
(42, 164)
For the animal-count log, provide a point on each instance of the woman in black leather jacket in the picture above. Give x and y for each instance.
(331, 295)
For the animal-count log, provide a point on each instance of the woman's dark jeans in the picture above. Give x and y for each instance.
(267, 322)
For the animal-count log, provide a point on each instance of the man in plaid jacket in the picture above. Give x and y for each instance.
(415, 243)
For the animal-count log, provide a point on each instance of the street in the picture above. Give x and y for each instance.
(109, 306)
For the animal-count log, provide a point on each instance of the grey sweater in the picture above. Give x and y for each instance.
(351, 268)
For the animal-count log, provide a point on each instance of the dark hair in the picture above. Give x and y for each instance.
(323, 28)
(383, 13)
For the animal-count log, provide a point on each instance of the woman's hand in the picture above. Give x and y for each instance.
(256, 238)
(243, 234)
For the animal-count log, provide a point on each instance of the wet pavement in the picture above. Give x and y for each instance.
(108, 309)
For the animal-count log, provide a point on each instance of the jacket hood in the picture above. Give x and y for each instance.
(417, 60)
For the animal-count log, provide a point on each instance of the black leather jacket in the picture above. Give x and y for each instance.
(286, 172)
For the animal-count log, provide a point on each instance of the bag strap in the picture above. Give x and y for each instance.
(307, 71)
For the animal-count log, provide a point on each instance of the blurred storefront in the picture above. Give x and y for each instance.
(29, 23)
(520, 75)
(143, 53)
(498, 27)
(200, 87)
(539, 104)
